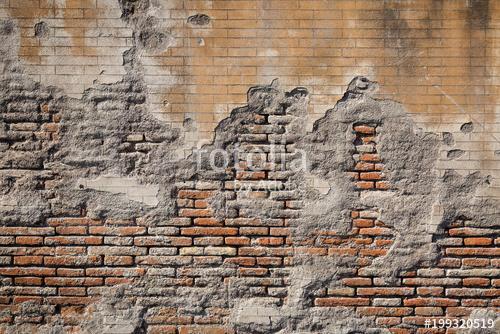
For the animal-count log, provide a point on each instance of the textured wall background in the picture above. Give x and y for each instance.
(113, 221)
(439, 58)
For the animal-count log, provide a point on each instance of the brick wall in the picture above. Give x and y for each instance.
(105, 225)
(62, 269)
(437, 57)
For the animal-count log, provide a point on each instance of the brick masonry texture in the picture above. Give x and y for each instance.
(111, 221)
(439, 58)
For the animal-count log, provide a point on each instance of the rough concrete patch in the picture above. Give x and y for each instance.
(128, 186)
(489, 317)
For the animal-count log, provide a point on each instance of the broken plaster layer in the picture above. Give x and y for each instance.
(126, 186)
(95, 141)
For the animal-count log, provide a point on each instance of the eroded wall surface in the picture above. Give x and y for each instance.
(178, 166)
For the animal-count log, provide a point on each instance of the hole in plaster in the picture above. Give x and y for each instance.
(448, 138)
(455, 154)
(467, 127)
(199, 19)
(189, 124)
(41, 30)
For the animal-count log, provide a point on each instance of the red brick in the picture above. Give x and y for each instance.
(162, 329)
(365, 185)
(70, 272)
(449, 263)
(72, 291)
(279, 231)
(242, 261)
(478, 241)
(251, 251)
(237, 241)
(342, 251)
(195, 213)
(24, 299)
(475, 302)
(73, 281)
(357, 281)
(163, 241)
(28, 281)
(430, 291)
(370, 157)
(27, 271)
(473, 251)
(376, 231)
(200, 204)
(475, 262)
(70, 250)
(71, 230)
(269, 261)
(472, 281)
(26, 231)
(430, 302)
(207, 222)
(388, 321)
(384, 311)
(117, 230)
(194, 194)
(73, 240)
(28, 260)
(76, 261)
(392, 291)
(370, 176)
(111, 260)
(430, 311)
(364, 129)
(271, 241)
(364, 166)
(382, 185)
(244, 175)
(28, 240)
(360, 222)
(373, 252)
(341, 301)
(129, 272)
(253, 271)
(209, 231)
(468, 231)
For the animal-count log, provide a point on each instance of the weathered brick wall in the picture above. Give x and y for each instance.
(111, 222)
(437, 57)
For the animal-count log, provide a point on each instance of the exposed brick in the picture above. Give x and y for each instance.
(341, 301)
